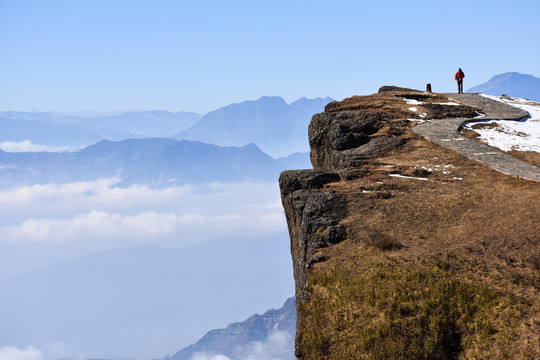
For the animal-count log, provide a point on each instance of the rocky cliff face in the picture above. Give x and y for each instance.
(376, 195)
(313, 216)
(340, 142)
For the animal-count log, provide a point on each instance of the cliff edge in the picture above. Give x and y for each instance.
(403, 249)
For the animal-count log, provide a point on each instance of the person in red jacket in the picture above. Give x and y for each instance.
(459, 78)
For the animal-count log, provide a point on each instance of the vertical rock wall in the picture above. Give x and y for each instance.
(340, 143)
(313, 216)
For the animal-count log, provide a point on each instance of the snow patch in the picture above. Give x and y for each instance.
(419, 121)
(448, 103)
(508, 135)
(413, 102)
(408, 177)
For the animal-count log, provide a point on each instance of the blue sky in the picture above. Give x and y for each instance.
(201, 55)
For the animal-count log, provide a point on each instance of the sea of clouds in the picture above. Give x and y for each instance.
(78, 218)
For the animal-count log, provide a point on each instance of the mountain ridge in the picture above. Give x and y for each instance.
(151, 161)
(56, 129)
(235, 340)
(512, 84)
(276, 127)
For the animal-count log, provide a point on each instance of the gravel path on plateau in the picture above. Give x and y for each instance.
(446, 133)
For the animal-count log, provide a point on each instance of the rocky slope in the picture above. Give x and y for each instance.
(403, 249)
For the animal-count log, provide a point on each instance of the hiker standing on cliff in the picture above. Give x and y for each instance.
(459, 78)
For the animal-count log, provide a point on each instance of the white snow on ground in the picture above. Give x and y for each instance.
(448, 103)
(408, 177)
(413, 102)
(512, 135)
(412, 108)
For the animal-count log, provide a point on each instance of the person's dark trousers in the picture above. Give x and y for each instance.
(460, 86)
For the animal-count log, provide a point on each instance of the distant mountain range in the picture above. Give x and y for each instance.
(66, 130)
(146, 302)
(278, 128)
(511, 84)
(155, 162)
(245, 339)
(153, 123)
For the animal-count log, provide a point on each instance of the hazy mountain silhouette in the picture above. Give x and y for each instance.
(155, 162)
(67, 130)
(275, 126)
(511, 84)
(145, 302)
(154, 123)
(243, 340)
(50, 129)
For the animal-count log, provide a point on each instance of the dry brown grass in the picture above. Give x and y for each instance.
(530, 157)
(394, 104)
(483, 224)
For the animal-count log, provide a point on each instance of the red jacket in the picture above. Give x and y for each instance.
(459, 75)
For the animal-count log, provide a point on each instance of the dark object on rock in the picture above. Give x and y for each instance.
(387, 88)
(428, 88)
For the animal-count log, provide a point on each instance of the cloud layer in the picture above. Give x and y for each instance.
(52, 351)
(98, 210)
(28, 146)
(76, 218)
(13, 353)
(277, 346)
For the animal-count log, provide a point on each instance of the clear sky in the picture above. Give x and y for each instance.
(200, 55)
